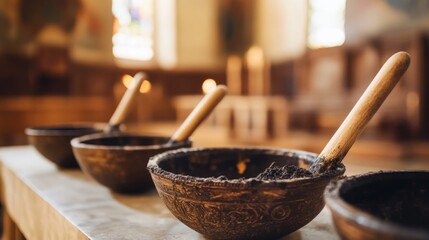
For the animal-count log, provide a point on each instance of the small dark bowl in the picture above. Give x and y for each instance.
(383, 205)
(118, 160)
(192, 184)
(53, 142)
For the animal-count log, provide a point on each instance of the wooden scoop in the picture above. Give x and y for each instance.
(362, 112)
(198, 114)
(125, 104)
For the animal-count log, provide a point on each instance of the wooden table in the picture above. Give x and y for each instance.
(42, 202)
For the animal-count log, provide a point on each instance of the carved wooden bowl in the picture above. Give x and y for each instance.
(53, 142)
(214, 191)
(382, 205)
(118, 160)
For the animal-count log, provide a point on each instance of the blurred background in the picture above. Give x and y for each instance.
(294, 68)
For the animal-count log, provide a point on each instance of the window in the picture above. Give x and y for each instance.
(133, 29)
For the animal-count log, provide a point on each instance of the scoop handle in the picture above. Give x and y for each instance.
(199, 113)
(362, 112)
(127, 101)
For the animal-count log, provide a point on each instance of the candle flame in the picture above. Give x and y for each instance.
(144, 88)
(208, 85)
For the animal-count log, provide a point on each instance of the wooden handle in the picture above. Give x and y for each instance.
(365, 108)
(127, 100)
(199, 113)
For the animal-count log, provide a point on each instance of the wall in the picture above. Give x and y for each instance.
(371, 18)
(281, 28)
(197, 34)
(92, 37)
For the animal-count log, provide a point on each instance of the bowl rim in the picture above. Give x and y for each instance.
(368, 220)
(154, 169)
(77, 142)
(77, 128)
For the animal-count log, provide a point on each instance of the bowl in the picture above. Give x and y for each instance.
(216, 191)
(53, 142)
(381, 205)
(118, 160)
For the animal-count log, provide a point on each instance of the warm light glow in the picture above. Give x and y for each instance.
(242, 165)
(133, 29)
(233, 74)
(126, 80)
(326, 23)
(256, 66)
(208, 85)
(255, 57)
(144, 88)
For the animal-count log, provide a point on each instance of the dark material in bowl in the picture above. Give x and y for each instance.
(383, 205)
(53, 142)
(204, 189)
(118, 161)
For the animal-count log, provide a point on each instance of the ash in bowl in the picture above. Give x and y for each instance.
(229, 165)
(274, 172)
(250, 165)
(285, 172)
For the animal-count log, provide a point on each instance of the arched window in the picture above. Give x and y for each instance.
(133, 29)
(145, 31)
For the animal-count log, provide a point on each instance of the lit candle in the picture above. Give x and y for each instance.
(255, 65)
(267, 77)
(233, 75)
